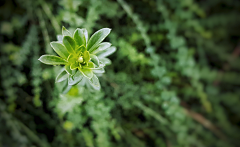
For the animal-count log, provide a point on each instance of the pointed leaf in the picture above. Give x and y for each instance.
(89, 65)
(69, 43)
(94, 81)
(61, 76)
(101, 47)
(105, 61)
(86, 72)
(60, 38)
(71, 58)
(73, 80)
(80, 37)
(52, 60)
(94, 59)
(98, 70)
(106, 52)
(86, 56)
(81, 49)
(68, 69)
(60, 49)
(74, 66)
(97, 38)
(65, 32)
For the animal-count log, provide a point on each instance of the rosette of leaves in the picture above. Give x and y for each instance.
(83, 59)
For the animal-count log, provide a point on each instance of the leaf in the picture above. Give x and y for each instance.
(81, 49)
(71, 58)
(94, 81)
(74, 66)
(86, 56)
(105, 61)
(52, 60)
(73, 80)
(65, 32)
(61, 76)
(101, 47)
(90, 65)
(60, 38)
(60, 49)
(68, 69)
(94, 59)
(80, 36)
(97, 38)
(98, 70)
(86, 72)
(69, 43)
(106, 52)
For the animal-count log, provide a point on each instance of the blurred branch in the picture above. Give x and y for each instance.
(49, 14)
(206, 123)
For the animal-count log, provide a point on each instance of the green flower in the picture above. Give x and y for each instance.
(83, 58)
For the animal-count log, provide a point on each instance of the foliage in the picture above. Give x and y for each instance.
(173, 82)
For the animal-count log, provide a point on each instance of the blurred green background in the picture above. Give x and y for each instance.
(173, 82)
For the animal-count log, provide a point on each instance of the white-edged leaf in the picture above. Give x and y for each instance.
(98, 70)
(52, 60)
(94, 81)
(97, 38)
(60, 38)
(80, 36)
(65, 32)
(68, 69)
(102, 46)
(60, 49)
(63, 75)
(105, 61)
(73, 80)
(106, 52)
(94, 59)
(69, 43)
(86, 72)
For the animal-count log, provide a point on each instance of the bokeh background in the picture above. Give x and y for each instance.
(174, 80)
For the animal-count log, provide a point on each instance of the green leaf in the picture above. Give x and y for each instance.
(69, 43)
(66, 32)
(81, 49)
(73, 80)
(80, 36)
(97, 38)
(60, 49)
(74, 66)
(86, 72)
(68, 69)
(86, 56)
(94, 59)
(94, 81)
(98, 70)
(105, 61)
(106, 52)
(90, 65)
(61, 76)
(52, 60)
(101, 47)
(71, 58)
(60, 38)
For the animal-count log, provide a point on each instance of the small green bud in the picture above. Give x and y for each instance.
(80, 59)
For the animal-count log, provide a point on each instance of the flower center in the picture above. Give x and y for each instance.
(80, 59)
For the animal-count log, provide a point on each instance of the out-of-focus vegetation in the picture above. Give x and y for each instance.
(173, 82)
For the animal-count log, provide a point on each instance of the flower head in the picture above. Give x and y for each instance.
(82, 58)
